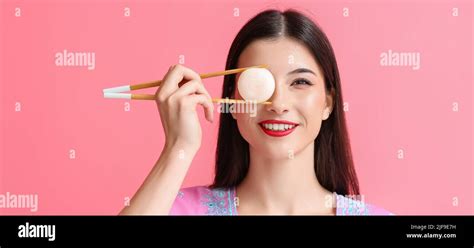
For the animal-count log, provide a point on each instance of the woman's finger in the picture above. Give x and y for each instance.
(191, 87)
(202, 100)
(175, 75)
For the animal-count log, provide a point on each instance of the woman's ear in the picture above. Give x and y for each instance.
(326, 114)
(329, 106)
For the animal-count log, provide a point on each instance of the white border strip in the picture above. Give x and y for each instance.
(117, 95)
(117, 89)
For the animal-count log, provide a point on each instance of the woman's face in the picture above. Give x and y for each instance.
(299, 104)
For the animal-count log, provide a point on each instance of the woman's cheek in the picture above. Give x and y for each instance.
(311, 107)
(245, 125)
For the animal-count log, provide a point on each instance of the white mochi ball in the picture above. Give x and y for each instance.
(256, 84)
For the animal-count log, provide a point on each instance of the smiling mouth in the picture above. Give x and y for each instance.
(277, 128)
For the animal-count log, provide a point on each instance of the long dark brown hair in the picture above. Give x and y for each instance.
(333, 163)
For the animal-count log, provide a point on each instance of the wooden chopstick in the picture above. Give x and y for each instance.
(206, 75)
(216, 100)
(117, 92)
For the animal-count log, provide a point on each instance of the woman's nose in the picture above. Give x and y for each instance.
(279, 101)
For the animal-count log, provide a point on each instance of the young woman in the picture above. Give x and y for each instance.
(292, 157)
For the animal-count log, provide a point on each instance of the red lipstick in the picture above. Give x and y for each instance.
(277, 128)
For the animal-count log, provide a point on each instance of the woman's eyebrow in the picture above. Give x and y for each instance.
(301, 70)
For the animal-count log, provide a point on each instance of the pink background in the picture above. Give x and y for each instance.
(390, 108)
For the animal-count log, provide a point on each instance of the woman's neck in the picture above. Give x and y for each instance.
(283, 186)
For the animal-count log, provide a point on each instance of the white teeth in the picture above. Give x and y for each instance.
(278, 127)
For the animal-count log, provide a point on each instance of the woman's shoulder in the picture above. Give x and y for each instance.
(349, 206)
(204, 200)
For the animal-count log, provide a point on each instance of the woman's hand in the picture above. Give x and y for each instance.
(180, 91)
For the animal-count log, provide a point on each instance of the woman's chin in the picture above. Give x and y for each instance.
(276, 151)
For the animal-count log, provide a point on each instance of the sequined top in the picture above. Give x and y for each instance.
(202, 200)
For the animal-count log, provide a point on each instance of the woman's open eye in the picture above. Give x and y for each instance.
(301, 81)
